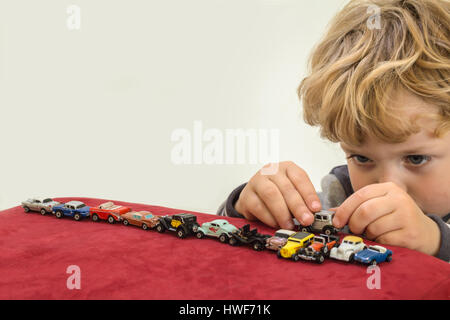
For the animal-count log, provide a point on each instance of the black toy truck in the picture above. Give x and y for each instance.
(183, 224)
(249, 237)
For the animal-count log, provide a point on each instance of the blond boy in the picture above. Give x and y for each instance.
(382, 91)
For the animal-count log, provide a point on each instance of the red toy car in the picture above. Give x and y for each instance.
(108, 211)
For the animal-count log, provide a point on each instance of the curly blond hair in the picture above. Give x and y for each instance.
(355, 69)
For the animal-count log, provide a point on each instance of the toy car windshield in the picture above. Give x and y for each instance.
(299, 235)
(106, 205)
(375, 249)
(281, 235)
(47, 200)
(80, 206)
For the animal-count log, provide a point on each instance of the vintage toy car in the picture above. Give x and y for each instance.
(318, 250)
(218, 228)
(42, 205)
(108, 211)
(294, 243)
(143, 219)
(182, 223)
(323, 223)
(373, 255)
(74, 209)
(349, 246)
(249, 237)
(279, 239)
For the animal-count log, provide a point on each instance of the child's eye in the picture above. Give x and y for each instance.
(418, 159)
(359, 158)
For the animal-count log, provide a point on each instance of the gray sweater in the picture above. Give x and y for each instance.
(336, 187)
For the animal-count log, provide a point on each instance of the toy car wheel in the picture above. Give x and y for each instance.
(94, 217)
(58, 214)
(328, 230)
(279, 254)
(26, 209)
(320, 258)
(352, 256)
(125, 222)
(389, 258)
(295, 257)
(111, 219)
(223, 238)
(181, 233)
(257, 246)
(199, 235)
(160, 228)
(232, 241)
(325, 249)
(77, 217)
(373, 262)
(144, 226)
(43, 211)
(306, 229)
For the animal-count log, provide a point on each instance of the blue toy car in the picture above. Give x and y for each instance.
(374, 255)
(74, 209)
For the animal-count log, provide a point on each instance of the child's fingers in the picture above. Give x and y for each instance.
(255, 207)
(393, 238)
(385, 224)
(348, 207)
(369, 211)
(271, 196)
(304, 186)
(293, 200)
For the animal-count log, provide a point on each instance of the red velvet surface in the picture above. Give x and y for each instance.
(119, 262)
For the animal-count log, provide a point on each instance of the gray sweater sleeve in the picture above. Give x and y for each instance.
(227, 207)
(444, 250)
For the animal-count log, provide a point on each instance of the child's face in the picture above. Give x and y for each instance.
(420, 165)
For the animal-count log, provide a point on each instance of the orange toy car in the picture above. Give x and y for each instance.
(143, 219)
(318, 249)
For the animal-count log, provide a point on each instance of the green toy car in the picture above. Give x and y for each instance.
(219, 228)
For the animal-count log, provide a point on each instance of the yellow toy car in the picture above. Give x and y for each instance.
(294, 244)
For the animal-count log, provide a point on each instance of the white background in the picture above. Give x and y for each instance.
(90, 112)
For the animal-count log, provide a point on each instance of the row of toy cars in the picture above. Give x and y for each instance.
(295, 245)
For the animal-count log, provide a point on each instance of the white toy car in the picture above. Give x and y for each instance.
(42, 205)
(347, 249)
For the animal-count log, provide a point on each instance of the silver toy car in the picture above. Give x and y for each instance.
(323, 223)
(42, 205)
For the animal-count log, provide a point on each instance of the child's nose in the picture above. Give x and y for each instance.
(393, 176)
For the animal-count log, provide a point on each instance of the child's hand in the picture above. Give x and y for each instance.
(272, 198)
(387, 214)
